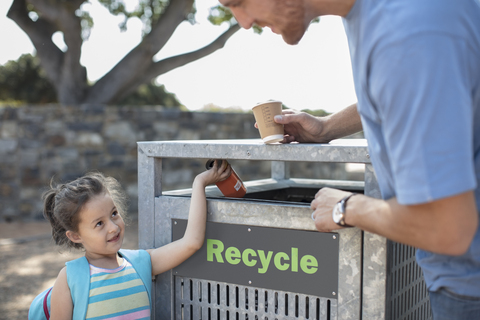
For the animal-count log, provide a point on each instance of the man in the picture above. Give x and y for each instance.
(416, 67)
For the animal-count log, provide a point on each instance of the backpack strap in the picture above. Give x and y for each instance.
(37, 309)
(45, 304)
(142, 263)
(78, 279)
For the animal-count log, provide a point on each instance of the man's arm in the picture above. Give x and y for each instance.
(303, 127)
(444, 226)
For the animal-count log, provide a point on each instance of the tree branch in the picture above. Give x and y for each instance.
(176, 12)
(40, 33)
(168, 64)
(73, 77)
(119, 79)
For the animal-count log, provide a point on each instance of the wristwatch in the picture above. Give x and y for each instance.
(339, 210)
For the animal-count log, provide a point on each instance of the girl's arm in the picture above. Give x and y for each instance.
(171, 255)
(61, 305)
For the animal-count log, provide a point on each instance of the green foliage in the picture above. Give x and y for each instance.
(220, 14)
(316, 113)
(152, 94)
(25, 81)
(214, 108)
(42, 19)
(86, 23)
(211, 107)
(148, 11)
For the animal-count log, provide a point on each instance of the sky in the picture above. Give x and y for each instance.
(315, 74)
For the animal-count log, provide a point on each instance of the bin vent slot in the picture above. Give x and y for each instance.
(197, 299)
(408, 293)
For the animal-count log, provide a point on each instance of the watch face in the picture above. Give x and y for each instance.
(337, 213)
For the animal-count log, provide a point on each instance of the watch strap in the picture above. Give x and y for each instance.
(343, 204)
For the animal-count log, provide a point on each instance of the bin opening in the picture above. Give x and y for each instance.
(301, 191)
(290, 194)
(305, 195)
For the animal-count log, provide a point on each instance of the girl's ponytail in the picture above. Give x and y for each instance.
(59, 233)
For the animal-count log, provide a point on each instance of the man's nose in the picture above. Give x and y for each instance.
(243, 19)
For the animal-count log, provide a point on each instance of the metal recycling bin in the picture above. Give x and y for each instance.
(263, 258)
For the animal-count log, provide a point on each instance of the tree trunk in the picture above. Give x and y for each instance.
(63, 68)
(67, 74)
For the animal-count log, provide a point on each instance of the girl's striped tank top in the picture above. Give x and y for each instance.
(117, 294)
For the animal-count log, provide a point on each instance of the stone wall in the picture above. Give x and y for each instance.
(38, 143)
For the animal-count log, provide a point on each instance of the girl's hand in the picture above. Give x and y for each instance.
(219, 172)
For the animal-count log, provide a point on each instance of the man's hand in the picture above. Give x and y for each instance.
(322, 206)
(301, 127)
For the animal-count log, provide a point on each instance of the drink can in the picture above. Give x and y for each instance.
(232, 186)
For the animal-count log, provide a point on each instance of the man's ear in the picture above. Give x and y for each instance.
(74, 236)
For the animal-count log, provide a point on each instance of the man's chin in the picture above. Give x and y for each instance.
(292, 40)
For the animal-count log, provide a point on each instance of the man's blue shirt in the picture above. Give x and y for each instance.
(416, 67)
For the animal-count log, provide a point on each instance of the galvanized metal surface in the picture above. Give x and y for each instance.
(374, 261)
(364, 263)
(280, 170)
(343, 150)
(200, 299)
(148, 169)
(393, 284)
(287, 216)
(407, 294)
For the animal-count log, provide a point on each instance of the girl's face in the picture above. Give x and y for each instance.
(101, 228)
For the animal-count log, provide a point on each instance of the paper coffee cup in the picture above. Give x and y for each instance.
(270, 131)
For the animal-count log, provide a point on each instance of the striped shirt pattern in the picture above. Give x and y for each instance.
(117, 294)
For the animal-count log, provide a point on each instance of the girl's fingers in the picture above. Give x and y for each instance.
(227, 171)
(219, 165)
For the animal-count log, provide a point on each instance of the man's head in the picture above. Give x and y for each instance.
(290, 18)
(285, 17)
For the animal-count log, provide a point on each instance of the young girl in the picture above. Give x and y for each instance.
(87, 213)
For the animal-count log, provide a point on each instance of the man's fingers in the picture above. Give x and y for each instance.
(279, 119)
(288, 139)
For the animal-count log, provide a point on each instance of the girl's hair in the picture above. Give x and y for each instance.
(63, 202)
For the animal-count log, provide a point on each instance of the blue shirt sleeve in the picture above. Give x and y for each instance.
(421, 91)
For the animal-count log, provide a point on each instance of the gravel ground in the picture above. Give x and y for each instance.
(30, 262)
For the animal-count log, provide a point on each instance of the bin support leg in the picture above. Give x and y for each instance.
(280, 170)
(374, 261)
(149, 187)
